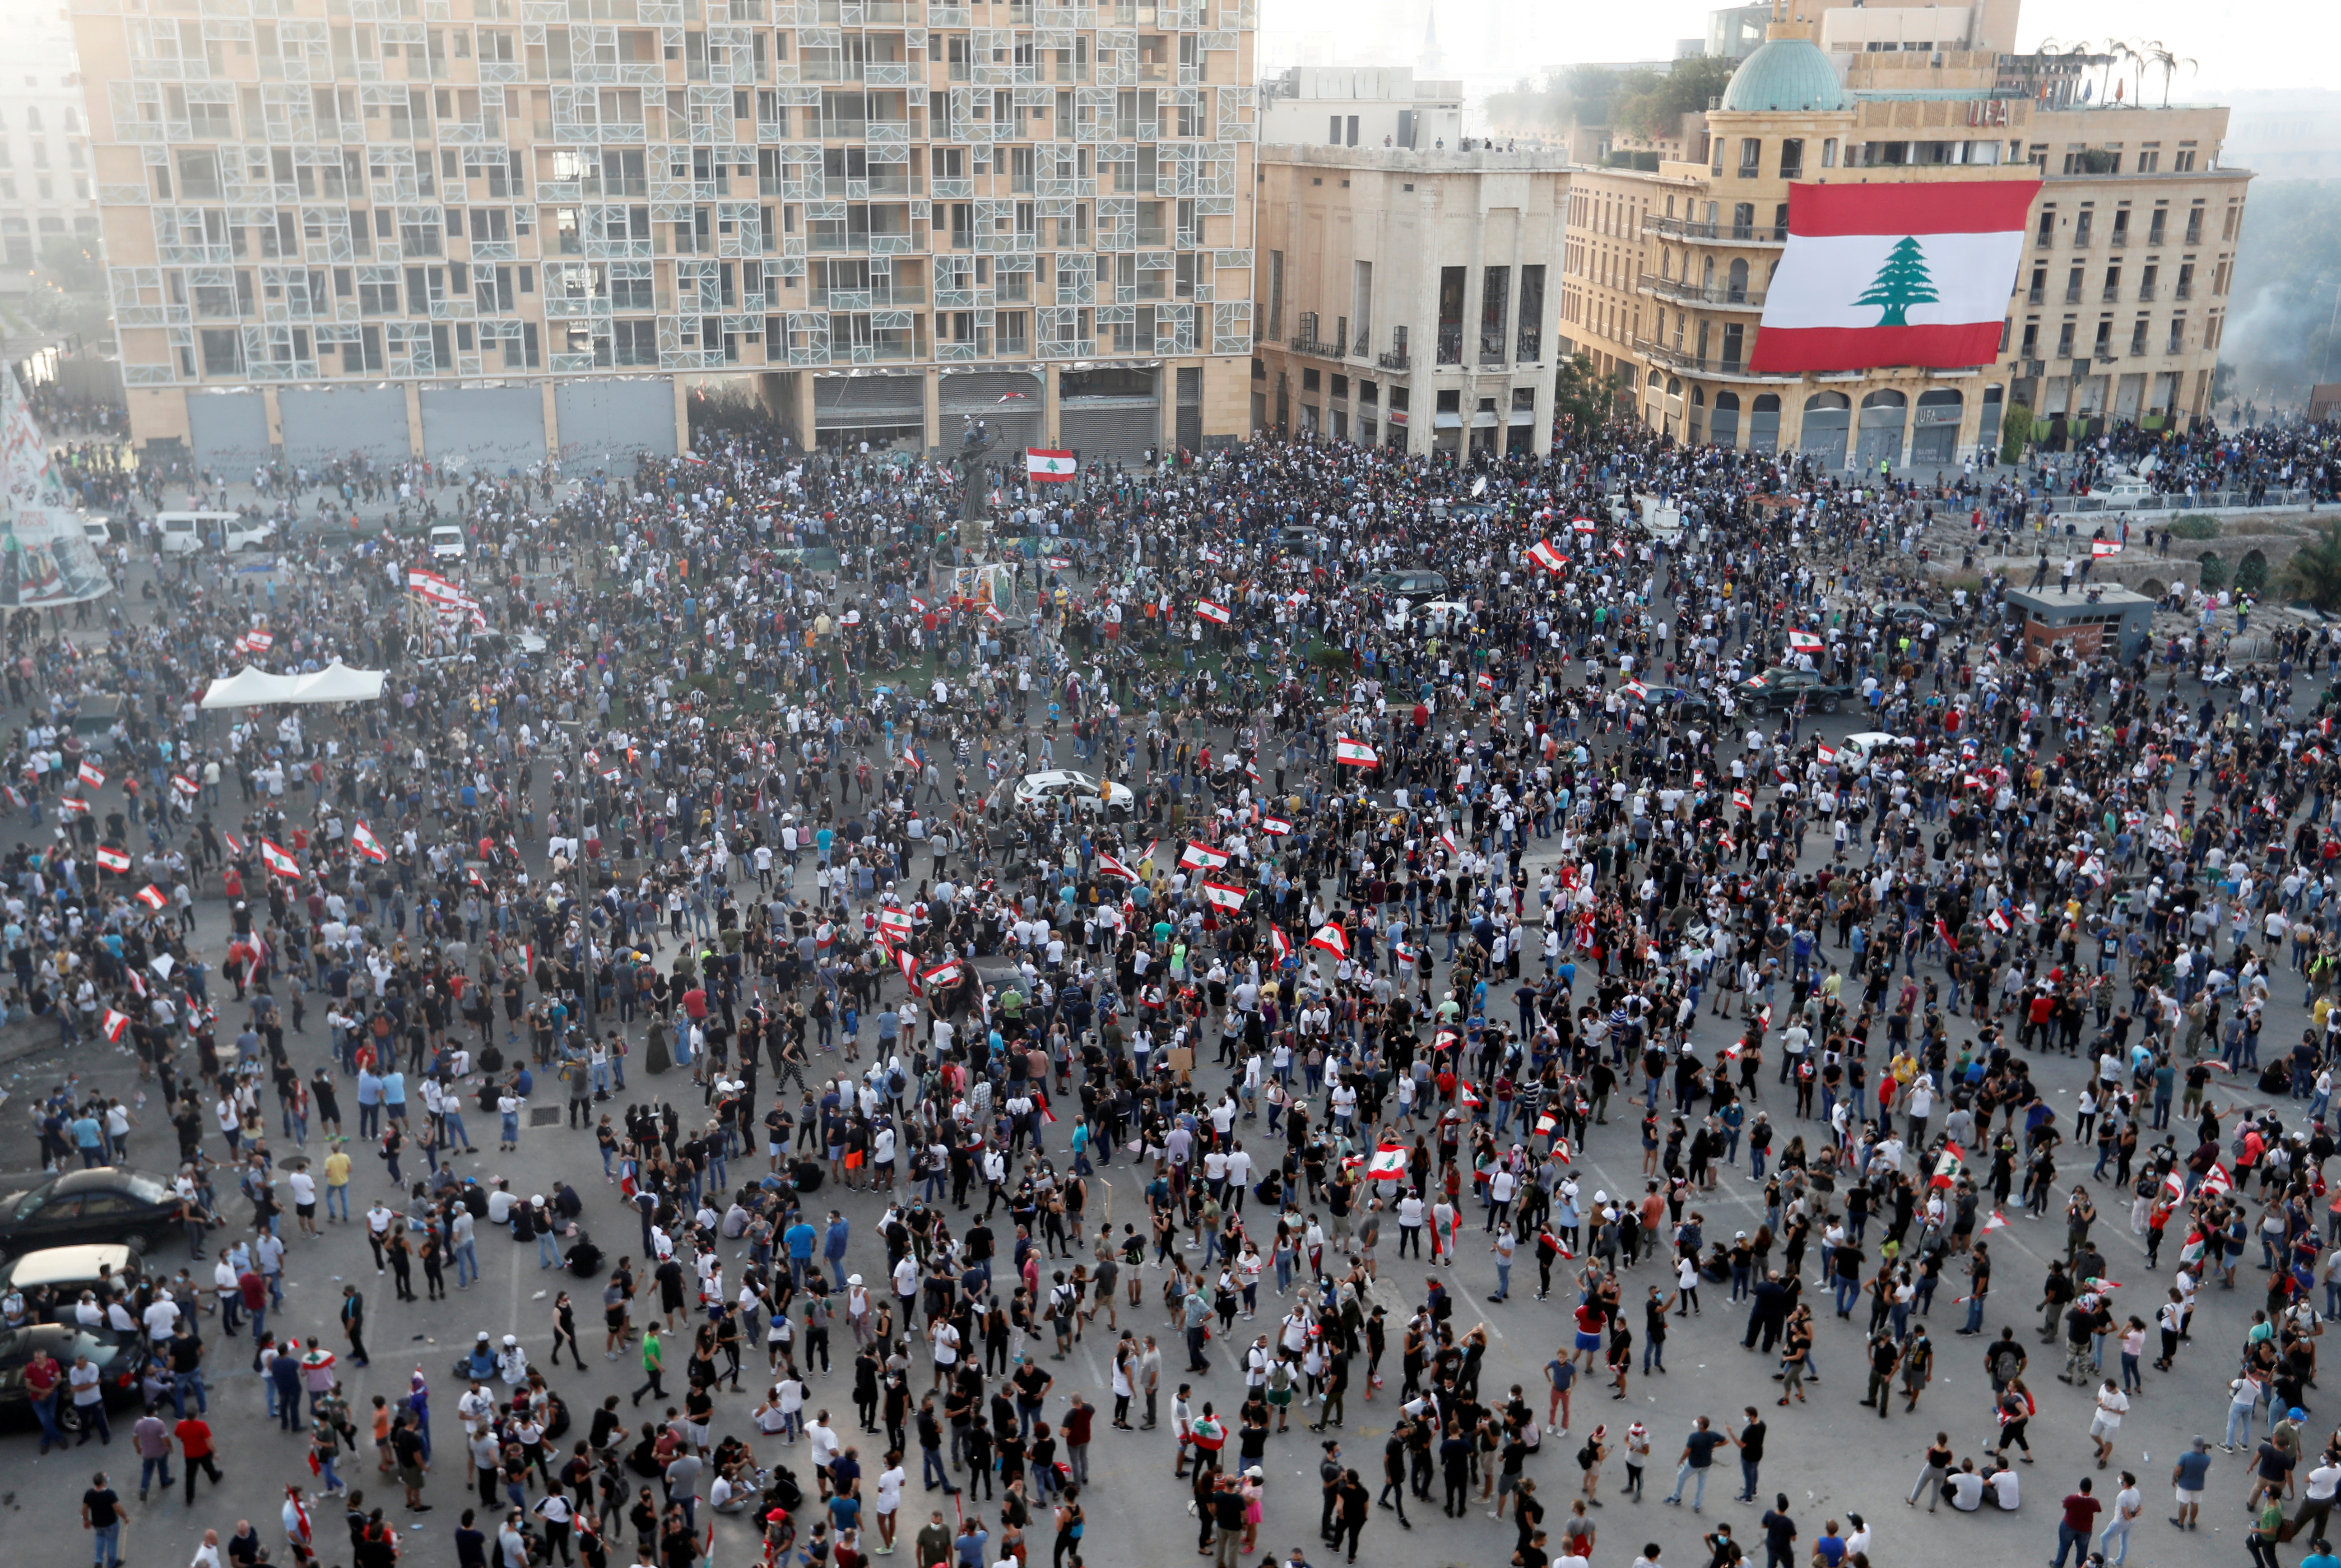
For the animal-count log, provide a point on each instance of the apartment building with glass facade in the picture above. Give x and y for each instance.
(503, 229)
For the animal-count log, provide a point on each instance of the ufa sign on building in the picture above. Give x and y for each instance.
(1903, 274)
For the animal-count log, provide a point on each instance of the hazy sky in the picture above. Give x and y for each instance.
(2251, 44)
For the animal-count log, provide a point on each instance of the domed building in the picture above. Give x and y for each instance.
(2119, 296)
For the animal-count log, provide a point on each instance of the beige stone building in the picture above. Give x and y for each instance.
(1406, 298)
(503, 229)
(2118, 305)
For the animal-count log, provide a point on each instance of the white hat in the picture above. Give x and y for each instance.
(511, 1340)
(853, 1279)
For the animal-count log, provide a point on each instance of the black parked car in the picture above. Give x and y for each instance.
(63, 1342)
(1776, 691)
(104, 1203)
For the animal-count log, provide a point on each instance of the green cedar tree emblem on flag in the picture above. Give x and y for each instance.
(1901, 282)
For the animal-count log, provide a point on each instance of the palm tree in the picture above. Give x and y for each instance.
(2315, 572)
(2115, 53)
(2167, 63)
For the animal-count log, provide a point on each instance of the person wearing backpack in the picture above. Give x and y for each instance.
(2004, 1360)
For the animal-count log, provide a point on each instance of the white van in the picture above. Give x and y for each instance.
(446, 541)
(186, 532)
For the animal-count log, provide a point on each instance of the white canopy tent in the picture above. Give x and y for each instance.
(250, 688)
(337, 682)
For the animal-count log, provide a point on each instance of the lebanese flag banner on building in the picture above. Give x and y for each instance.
(1041, 463)
(111, 860)
(1218, 614)
(1898, 275)
(361, 838)
(1352, 753)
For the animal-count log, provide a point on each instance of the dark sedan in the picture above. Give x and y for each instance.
(105, 1203)
(1776, 691)
(16, 1349)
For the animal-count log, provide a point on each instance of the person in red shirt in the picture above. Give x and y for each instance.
(42, 1376)
(2073, 1530)
(194, 1436)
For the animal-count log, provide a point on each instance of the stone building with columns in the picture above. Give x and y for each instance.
(2118, 304)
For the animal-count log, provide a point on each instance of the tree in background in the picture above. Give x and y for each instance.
(2315, 573)
(2014, 433)
(1582, 396)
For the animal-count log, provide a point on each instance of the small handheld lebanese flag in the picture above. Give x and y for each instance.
(1042, 463)
(1213, 612)
(2215, 1180)
(362, 839)
(894, 924)
(1352, 753)
(1447, 842)
(1635, 689)
(277, 860)
(1389, 1164)
(1585, 525)
(90, 776)
(152, 897)
(74, 804)
(1545, 555)
(1201, 858)
(1739, 798)
(1804, 642)
(946, 973)
(991, 612)
(2100, 548)
(1333, 938)
(1276, 826)
(236, 846)
(1213, 556)
(184, 785)
(260, 641)
(1109, 866)
(1220, 896)
(908, 962)
(1825, 754)
(1997, 1221)
(111, 860)
(1618, 548)
(114, 1024)
(1948, 1164)
(1278, 943)
(1469, 1095)
(1893, 274)
(1997, 922)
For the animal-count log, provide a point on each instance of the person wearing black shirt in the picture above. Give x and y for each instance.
(471, 1544)
(101, 1514)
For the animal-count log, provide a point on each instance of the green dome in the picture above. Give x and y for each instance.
(1784, 74)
